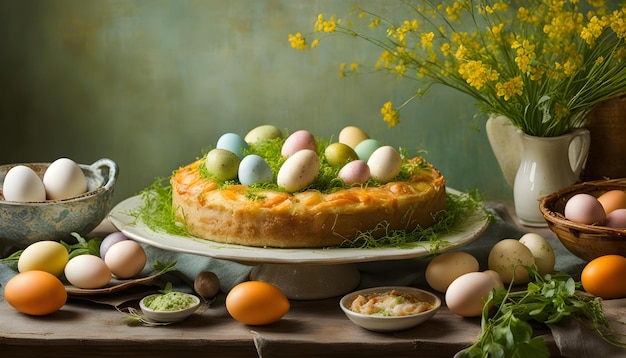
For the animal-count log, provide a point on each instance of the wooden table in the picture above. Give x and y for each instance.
(310, 329)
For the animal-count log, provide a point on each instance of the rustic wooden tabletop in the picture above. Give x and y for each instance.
(312, 328)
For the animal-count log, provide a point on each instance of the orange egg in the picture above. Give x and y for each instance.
(612, 200)
(256, 303)
(35, 293)
(604, 277)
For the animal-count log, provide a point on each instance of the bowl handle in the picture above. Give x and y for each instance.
(112, 169)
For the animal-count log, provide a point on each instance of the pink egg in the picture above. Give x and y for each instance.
(355, 172)
(616, 219)
(585, 209)
(297, 141)
(125, 259)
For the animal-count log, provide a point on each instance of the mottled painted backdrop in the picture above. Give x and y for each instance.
(152, 83)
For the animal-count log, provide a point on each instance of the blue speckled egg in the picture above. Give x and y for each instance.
(254, 170)
(233, 143)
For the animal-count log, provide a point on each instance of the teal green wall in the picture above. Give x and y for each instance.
(152, 83)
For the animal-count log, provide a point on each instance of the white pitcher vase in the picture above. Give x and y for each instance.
(546, 164)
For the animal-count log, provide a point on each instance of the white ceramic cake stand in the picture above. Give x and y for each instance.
(303, 274)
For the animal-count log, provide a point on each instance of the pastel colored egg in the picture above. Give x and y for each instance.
(298, 171)
(254, 170)
(232, 142)
(338, 154)
(365, 148)
(222, 164)
(355, 172)
(263, 132)
(298, 141)
(352, 136)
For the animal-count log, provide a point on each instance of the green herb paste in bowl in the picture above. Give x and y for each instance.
(170, 306)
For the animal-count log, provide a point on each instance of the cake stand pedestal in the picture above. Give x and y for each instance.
(309, 282)
(302, 274)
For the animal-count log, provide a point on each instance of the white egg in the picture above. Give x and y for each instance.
(542, 252)
(87, 271)
(466, 294)
(508, 258)
(385, 164)
(21, 183)
(298, 171)
(447, 267)
(64, 179)
(125, 259)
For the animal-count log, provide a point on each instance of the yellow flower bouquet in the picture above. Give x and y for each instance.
(544, 64)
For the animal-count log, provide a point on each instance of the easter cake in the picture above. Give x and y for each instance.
(302, 194)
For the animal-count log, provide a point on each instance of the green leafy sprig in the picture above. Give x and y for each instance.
(508, 332)
(82, 246)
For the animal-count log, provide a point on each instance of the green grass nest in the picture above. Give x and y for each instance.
(157, 213)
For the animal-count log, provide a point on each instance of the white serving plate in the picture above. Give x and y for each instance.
(132, 227)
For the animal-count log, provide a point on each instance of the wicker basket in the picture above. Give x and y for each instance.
(584, 241)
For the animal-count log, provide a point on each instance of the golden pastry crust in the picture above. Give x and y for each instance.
(304, 219)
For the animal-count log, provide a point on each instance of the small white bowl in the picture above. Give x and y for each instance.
(386, 323)
(168, 316)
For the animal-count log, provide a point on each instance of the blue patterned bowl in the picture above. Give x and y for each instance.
(22, 224)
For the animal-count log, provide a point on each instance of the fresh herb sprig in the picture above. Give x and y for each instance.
(82, 246)
(508, 332)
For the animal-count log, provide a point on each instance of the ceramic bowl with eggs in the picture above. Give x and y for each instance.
(390, 308)
(23, 222)
(587, 241)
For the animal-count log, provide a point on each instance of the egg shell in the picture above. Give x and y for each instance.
(298, 141)
(604, 277)
(385, 164)
(542, 251)
(263, 132)
(352, 136)
(87, 271)
(465, 295)
(584, 209)
(447, 267)
(616, 219)
(35, 292)
(496, 276)
(233, 143)
(64, 179)
(338, 154)
(222, 164)
(612, 200)
(110, 240)
(22, 184)
(126, 259)
(355, 172)
(365, 149)
(507, 258)
(49, 256)
(298, 171)
(256, 303)
(254, 170)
